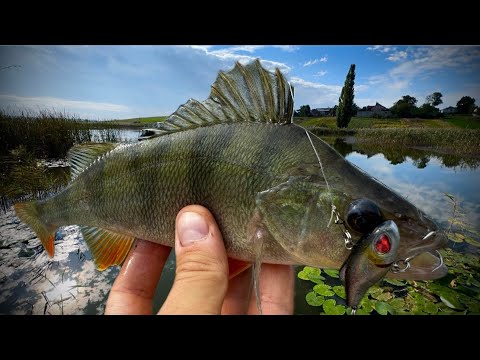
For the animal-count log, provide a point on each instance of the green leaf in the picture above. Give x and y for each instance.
(397, 303)
(394, 282)
(331, 272)
(323, 289)
(472, 304)
(340, 291)
(362, 312)
(472, 241)
(448, 296)
(366, 304)
(456, 237)
(314, 300)
(383, 296)
(331, 309)
(312, 274)
(374, 290)
(383, 308)
(430, 308)
(473, 281)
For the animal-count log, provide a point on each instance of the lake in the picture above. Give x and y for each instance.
(32, 284)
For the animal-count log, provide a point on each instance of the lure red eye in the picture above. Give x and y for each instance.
(383, 244)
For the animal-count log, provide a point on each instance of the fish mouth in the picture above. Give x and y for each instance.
(423, 262)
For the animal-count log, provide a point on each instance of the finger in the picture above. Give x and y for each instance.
(133, 290)
(201, 277)
(276, 290)
(238, 294)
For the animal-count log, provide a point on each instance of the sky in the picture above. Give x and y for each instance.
(100, 82)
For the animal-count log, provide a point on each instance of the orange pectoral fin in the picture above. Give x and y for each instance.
(235, 267)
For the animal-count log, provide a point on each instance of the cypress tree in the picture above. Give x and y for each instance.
(345, 108)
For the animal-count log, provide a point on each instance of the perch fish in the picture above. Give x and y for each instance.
(279, 193)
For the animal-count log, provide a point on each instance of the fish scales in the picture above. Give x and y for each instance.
(138, 190)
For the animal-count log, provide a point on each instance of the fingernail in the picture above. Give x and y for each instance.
(191, 228)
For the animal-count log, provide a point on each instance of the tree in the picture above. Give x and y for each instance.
(304, 111)
(434, 99)
(405, 107)
(345, 108)
(465, 105)
(428, 111)
(333, 111)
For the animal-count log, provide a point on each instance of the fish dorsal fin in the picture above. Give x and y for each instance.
(245, 93)
(108, 248)
(82, 156)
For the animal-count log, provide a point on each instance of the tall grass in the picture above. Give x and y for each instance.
(454, 140)
(27, 137)
(48, 134)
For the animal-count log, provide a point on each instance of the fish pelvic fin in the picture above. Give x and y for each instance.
(108, 248)
(247, 93)
(29, 213)
(84, 155)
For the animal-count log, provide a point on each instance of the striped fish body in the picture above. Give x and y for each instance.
(137, 190)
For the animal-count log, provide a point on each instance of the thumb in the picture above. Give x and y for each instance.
(201, 278)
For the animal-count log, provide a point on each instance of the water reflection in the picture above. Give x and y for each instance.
(419, 157)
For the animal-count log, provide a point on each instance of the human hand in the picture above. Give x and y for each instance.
(201, 283)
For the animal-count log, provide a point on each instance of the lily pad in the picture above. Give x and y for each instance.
(430, 308)
(314, 300)
(330, 308)
(331, 272)
(472, 304)
(383, 308)
(448, 296)
(397, 303)
(340, 291)
(394, 282)
(366, 304)
(472, 241)
(383, 296)
(323, 289)
(374, 290)
(312, 274)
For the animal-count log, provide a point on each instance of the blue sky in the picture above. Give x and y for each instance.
(117, 82)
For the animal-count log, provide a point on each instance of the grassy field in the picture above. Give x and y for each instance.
(140, 122)
(455, 121)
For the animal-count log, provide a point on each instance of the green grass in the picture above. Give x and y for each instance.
(464, 121)
(370, 123)
(137, 121)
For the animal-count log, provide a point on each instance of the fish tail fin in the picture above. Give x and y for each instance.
(29, 213)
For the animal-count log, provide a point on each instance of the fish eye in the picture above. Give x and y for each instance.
(383, 244)
(363, 215)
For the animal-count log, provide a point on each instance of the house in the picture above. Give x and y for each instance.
(377, 110)
(449, 110)
(320, 112)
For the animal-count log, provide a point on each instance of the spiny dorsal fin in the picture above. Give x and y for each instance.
(245, 93)
(81, 156)
(108, 248)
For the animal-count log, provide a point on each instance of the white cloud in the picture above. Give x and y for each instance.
(422, 62)
(287, 48)
(315, 94)
(84, 109)
(231, 54)
(381, 48)
(397, 56)
(315, 61)
(321, 73)
(45, 101)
